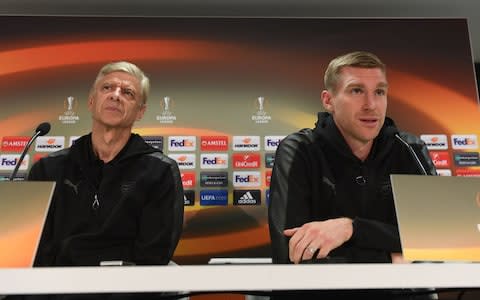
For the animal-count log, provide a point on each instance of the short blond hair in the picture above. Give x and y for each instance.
(127, 67)
(358, 59)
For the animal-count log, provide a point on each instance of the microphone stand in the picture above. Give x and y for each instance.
(20, 160)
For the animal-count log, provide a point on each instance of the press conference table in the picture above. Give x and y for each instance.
(237, 278)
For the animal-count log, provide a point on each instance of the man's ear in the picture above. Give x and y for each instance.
(327, 100)
(141, 112)
(90, 102)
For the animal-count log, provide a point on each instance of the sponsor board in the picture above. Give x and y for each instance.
(188, 179)
(154, 141)
(213, 197)
(435, 141)
(246, 197)
(14, 143)
(269, 160)
(464, 141)
(246, 143)
(466, 159)
(214, 161)
(444, 172)
(214, 143)
(268, 177)
(213, 179)
(441, 159)
(184, 161)
(49, 143)
(9, 161)
(246, 179)
(468, 172)
(182, 143)
(188, 197)
(272, 142)
(246, 160)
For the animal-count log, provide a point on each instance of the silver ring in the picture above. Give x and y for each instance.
(311, 250)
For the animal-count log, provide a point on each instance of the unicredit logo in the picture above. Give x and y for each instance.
(188, 179)
(268, 177)
(441, 159)
(246, 161)
(14, 143)
(214, 143)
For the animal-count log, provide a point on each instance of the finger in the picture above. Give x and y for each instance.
(293, 245)
(309, 251)
(290, 232)
(324, 251)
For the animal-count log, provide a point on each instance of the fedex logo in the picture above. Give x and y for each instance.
(272, 142)
(14, 143)
(246, 178)
(441, 159)
(49, 143)
(9, 161)
(245, 161)
(464, 141)
(435, 141)
(246, 143)
(214, 161)
(184, 161)
(182, 143)
(214, 143)
(188, 179)
(268, 177)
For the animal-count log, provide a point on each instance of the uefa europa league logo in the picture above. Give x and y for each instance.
(261, 106)
(69, 116)
(166, 116)
(166, 106)
(69, 106)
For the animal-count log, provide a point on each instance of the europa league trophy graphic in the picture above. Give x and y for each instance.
(261, 103)
(69, 116)
(166, 106)
(70, 103)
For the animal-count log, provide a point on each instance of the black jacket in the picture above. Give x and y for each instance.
(129, 209)
(316, 177)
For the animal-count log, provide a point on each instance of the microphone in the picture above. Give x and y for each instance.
(394, 131)
(42, 129)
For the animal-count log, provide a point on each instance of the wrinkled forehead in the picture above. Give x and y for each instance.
(120, 78)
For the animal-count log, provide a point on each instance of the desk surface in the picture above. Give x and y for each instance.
(237, 278)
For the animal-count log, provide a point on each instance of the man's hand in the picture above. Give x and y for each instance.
(324, 235)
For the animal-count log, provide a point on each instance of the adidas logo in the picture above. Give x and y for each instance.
(248, 198)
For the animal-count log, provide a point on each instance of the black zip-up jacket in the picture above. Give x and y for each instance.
(316, 177)
(129, 209)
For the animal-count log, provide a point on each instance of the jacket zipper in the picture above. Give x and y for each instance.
(96, 203)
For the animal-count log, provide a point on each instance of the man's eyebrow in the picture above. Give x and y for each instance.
(382, 85)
